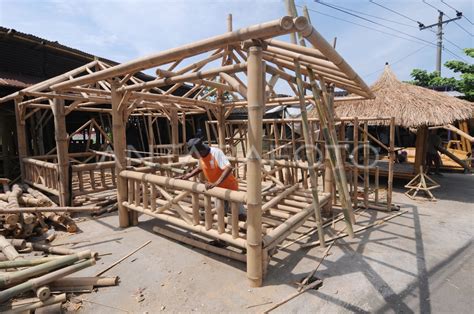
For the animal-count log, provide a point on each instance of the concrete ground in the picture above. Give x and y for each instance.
(422, 261)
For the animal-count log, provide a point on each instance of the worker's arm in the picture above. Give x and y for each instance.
(227, 171)
(191, 174)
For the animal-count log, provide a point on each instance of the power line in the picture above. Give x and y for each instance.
(361, 25)
(457, 12)
(376, 23)
(449, 41)
(398, 13)
(437, 9)
(457, 56)
(398, 60)
(374, 16)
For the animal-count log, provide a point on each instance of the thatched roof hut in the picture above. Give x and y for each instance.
(412, 106)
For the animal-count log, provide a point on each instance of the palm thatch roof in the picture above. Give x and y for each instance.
(412, 106)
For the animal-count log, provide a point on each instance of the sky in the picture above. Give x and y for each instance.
(122, 30)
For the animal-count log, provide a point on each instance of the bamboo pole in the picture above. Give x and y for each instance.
(118, 129)
(26, 308)
(174, 132)
(221, 126)
(33, 271)
(62, 144)
(229, 195)
(376, 192)
(337, 164)
(310, 155)
(355, 156)
(313, 36)
(264, 30)
(26, 262)
(122, 259)
(49, 209)
(366, 165)
(391, 164)
(343, 235)
(21, 137)
(7, 248)
(256, 100)
(201, 245)
(31, 284)
(85, 281)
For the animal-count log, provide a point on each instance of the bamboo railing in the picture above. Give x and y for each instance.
(186, 204)
(42, 175)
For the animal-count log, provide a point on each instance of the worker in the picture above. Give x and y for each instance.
(217, 170)
(432, 156)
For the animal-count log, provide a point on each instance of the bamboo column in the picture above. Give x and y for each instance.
(256, 89)
(355, 161)
(174, 132)
(21, 137)
(62, 150)
(366, 164)
(151, 137)
(221, 125)
(391, 164)
(183, 128)
(118, 130)
(420, 152)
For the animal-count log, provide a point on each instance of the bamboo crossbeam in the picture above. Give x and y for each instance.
(236, 85)
(138, 161)
(280, 233)
(278, 163)
(279, 197)
(263, 31)
(189, 77)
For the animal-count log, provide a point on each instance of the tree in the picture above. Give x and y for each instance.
(464, 85)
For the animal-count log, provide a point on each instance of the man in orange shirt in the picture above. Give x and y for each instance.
(215, 166)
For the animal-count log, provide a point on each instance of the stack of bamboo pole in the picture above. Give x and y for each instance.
(26, 212)
(32, 283)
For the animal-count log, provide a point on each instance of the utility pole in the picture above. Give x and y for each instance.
(439, 34)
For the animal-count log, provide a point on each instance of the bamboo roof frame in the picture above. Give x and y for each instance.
(221, 60)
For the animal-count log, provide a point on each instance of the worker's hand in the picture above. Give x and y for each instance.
(209, 185)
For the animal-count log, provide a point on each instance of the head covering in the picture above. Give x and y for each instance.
(196, 145)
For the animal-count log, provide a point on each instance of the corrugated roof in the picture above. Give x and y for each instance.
(17, 80)
(10, 78)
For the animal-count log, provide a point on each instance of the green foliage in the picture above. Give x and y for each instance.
(464, 85)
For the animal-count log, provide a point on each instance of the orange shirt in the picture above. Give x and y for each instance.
(213, 166)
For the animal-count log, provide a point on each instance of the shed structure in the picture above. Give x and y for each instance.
(413, 107)
(236, 69)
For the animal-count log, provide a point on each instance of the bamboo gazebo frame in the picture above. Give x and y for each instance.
(238, 68)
